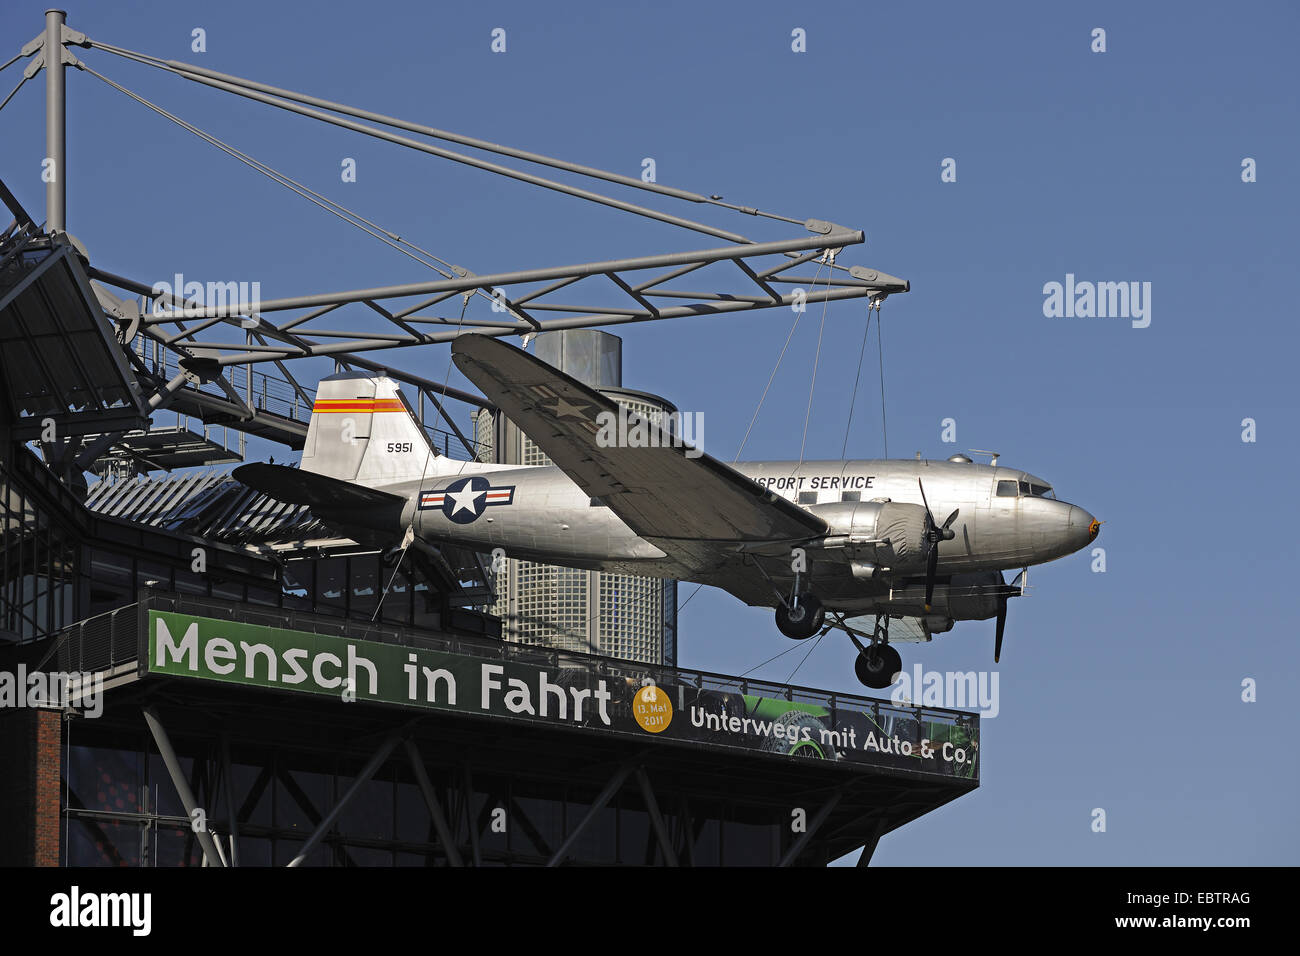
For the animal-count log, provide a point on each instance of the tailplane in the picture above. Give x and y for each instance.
(362, 430)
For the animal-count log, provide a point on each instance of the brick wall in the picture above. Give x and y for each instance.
(31, 755)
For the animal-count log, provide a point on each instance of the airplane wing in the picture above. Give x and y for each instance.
(697, 509)
(902, 630)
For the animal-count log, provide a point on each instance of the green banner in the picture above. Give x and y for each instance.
(182, 645)
(613, 696)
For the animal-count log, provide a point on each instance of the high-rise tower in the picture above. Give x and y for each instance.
(617, 615)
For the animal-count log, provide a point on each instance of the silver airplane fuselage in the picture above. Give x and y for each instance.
(1006, 518)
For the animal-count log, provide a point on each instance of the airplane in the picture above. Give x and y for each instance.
(827, 544)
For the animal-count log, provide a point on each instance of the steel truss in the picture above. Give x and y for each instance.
(523, 302)
(214, 855)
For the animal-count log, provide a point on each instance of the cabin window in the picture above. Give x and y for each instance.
(1006, 489)
(851, 496)
(807, 497)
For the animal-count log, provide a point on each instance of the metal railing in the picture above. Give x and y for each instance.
(117, 637)
(260, 391)
(99, 643)
(275, 395)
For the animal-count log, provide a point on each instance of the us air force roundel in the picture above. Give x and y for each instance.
(465, 499)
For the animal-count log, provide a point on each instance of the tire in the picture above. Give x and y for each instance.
(878, 666)
(811, 748)
(805, 621)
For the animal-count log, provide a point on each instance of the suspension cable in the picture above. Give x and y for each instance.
(21, 81)
(866, 332)
(797, 316)
(739, 677)
(880, 338)
(812, 386)
(804, 658)
(241, 85)
(408, 537)
(385, 236)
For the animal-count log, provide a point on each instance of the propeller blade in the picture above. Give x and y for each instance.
(930, 568)
(948, 533)
(1002, 626)
(928, 515)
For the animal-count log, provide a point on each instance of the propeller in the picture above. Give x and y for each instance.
(934, 534)
(1004, 593)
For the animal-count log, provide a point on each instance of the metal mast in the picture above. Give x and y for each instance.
(56, 124)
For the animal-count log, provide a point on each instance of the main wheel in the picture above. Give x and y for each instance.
(877, 666)
(803, 620)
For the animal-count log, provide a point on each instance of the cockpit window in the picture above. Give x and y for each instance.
(1025, 489)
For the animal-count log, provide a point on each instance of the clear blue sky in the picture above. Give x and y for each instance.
(1118, 690)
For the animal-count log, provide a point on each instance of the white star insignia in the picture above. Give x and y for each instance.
(465, 499)
(563, 409)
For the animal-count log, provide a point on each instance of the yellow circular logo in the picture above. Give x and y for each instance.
(652, 709)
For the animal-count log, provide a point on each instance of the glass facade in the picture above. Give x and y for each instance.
(61, 563)
(123, 811)
(38, 579)
(355, 585)
(597, 612)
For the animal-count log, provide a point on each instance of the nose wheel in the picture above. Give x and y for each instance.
(801, 618)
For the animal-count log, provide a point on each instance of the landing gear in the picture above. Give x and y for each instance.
(877, 662)
(802, 618)
(877, 665)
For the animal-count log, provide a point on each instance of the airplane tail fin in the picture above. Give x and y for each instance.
(362, 430)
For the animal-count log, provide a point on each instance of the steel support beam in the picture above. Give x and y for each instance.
(158, 400)
(467, 793)
(656, 818)
(435, 808)
(368, 771)
(840, 237)
(182, 785)
(597, 805)
(230, 799)
(141, 288)
(814, 825)
(869, 848)
(369, 344)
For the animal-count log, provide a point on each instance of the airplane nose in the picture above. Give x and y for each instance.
(1083, 527)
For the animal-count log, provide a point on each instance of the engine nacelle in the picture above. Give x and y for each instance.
(864, 527)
